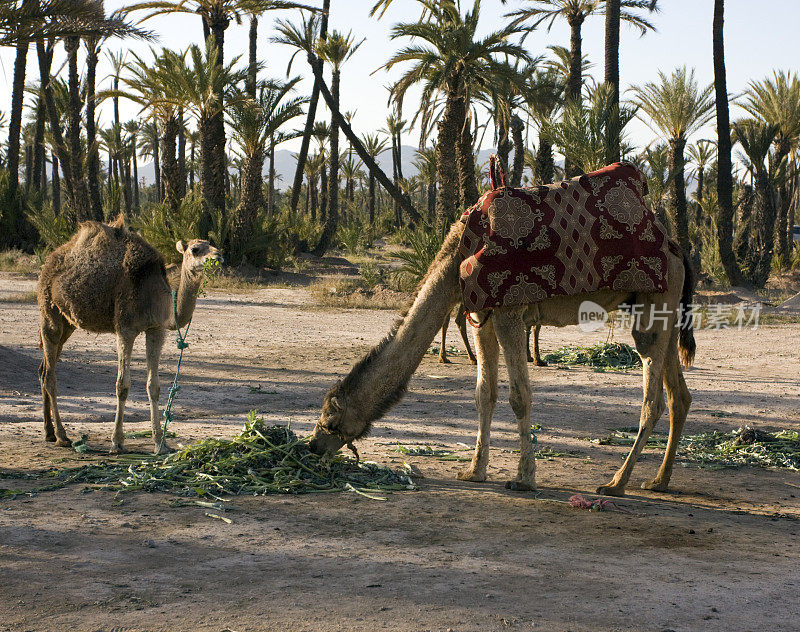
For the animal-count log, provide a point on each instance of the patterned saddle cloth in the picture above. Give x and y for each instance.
(593, 232)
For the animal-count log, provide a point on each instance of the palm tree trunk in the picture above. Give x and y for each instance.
(575, 79)
(517, 127)
(38, 147)
(466, 165)
(56, 180)
(80, 193)
(678, 186)
(157, 166)
(252, 66)
(450, 124)
(191, 166)
(767, 208)
(135, 176)
(271, 190)
(503, 145)
(371, 200)
(212, 174)
(545, 164)
(612, 11)
(431, 201)
(251, 203)
(169, 164)
(93, 163)
(312, 193)
(323, 213)
(302, 156)
(181, 154)
(17, 103)
(45, 56)
(724, 165)
(332, 221)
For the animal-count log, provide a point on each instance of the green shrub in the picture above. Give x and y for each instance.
(53, 229)
(349, 237)
(372, 274)
(162, 228)
(424, 243)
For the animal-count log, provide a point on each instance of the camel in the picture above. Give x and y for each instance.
(106, 279)
(379, 379)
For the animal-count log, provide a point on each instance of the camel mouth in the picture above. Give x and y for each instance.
(325, 443)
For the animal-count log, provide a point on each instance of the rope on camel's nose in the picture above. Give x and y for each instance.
(182, 344)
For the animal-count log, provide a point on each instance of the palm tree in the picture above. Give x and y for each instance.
(450, 60)
(724, 163)
(132, 129)
(315, 165)
(756, 138)
(201, 87)
(257, 123)
(193, 136)
(542, 95)
(321, 133)
(375, 146)
(36, 21)
(776, 101)
(583, 131)
(701, 154)
(304, 39)
(676, 108)
(336, 49)
(425, 163)
(613, 12)
(148, 146)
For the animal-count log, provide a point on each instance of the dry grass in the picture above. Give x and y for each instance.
(26, 297)
(351, 294)
(19, 262)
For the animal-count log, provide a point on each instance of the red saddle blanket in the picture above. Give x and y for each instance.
(593, 232)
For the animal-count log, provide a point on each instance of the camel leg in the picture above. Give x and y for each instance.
(54, 335)
(537, 357)
(678, 401)
(443, 359)
(154, 341)
(461, 323)
(511, 332)
(652, 345)
(485, 400)
(124, 349)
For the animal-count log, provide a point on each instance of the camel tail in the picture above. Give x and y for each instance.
(686, 343)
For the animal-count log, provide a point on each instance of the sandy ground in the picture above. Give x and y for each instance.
(720, 552)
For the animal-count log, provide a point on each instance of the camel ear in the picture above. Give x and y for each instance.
(180, 246)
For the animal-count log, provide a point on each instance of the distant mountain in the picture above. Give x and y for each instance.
(285, 164)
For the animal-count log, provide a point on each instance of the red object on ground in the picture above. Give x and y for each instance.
(594, 232)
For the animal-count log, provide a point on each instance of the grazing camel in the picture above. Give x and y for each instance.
(109, 280)
(379, 379)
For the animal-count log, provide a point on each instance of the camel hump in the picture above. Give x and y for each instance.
(119, 222)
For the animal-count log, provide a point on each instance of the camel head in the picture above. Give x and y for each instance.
(337, 424)
(196, 253)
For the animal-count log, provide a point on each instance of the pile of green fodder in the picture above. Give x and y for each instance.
(745, 446)
(718, 450)
(603, 356)
(259, 460)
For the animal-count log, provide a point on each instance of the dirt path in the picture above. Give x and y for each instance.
(718, 553)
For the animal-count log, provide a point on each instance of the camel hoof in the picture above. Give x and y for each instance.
(117, 449)
(444, 360)
(611, 490)
(50, 438)
(655, 485)
(520, 486)
(469, 475)
(64, 443)
(473, 361)
(540, 363)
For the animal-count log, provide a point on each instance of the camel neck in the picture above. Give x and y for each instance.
(380, 379)
(186, 297)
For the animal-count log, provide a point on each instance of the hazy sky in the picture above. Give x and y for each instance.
(759, 37)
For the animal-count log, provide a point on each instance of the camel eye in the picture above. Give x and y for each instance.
(195, 250)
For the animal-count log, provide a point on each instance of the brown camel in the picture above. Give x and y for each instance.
(109, 280)
(379, 380)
